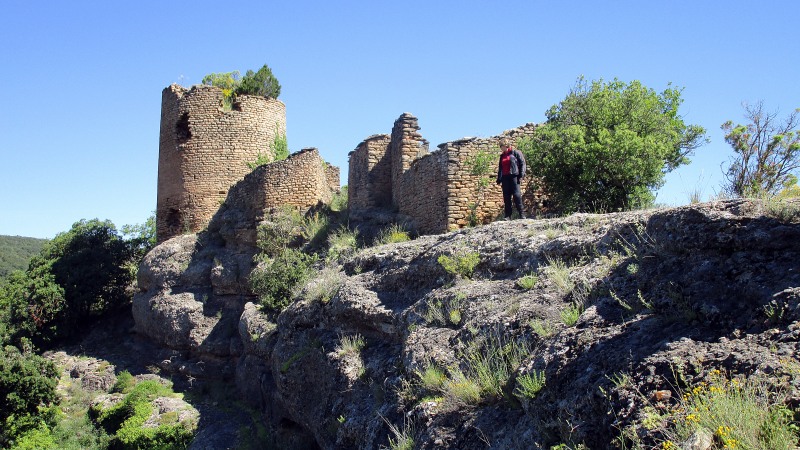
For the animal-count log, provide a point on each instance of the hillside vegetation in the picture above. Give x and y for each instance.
(16, 252)
(643, 329)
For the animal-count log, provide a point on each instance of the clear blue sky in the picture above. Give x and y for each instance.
(82, 80)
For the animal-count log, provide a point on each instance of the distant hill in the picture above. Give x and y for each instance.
(16, 252)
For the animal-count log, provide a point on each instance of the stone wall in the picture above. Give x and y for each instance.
(422, 193)
(435, 190)
(405, 147)
(203, 150)
(463, 190)
(369, 178)
(302, 180)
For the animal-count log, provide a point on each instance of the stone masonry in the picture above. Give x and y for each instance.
(203, 150)
(435, 190)
(303, 180)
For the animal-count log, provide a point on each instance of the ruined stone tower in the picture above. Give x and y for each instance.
(203, 151)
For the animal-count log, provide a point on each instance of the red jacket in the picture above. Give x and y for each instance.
(517, 165)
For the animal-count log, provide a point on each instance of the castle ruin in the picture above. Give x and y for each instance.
(204, 149)
(435, 190)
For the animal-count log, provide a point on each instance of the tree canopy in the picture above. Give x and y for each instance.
(78, 276)
(261, 83)
(223, 80)
(766, 153)
(608, 145)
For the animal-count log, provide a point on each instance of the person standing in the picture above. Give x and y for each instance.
(510, 171)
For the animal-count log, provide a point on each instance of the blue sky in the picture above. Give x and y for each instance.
(82, 80)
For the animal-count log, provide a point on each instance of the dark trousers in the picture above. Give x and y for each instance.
(510, 185)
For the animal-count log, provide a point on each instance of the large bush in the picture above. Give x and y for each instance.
(607, 146)
(78, 276)
(261, 83)
(88, 262)
(125, 421)
(275, 281)
(27, 381)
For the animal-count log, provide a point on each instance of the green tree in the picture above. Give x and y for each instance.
(27, 381)
(766, 153)
(77, 277)
(223, 80)
(29, 304)
(607, 146)
(88, 262)
(261, 83)
(141, 237)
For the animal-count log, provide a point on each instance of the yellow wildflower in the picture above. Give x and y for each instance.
(731, 443)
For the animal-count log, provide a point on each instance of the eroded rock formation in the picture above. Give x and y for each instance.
(663, 298)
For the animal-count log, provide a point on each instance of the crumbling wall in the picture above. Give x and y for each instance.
(203, 150)
(369, 179)
(302, 180)
(466, 200)
(333, 175)
(437, 190)
(406, 146)
(422, 193)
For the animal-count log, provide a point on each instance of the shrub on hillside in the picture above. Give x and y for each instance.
(275, 281)
(77, 277)
(281, 230)
(27, 381)
(125, 420)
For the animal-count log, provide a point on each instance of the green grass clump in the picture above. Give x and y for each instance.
(324, 285)
(738, 413)
(393, 234)
(350, 345)
(342, 242)
(444, 312)
(558, 271)
(401, 439)
(528, 281)
(571, 314)
(543, 328)
(432, 378)
(530, 384)
(486, 368)
(462, 389)
(461, 264)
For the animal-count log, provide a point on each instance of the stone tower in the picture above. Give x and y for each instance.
(204, 149)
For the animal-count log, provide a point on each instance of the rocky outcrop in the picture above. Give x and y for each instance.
(659, 299)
